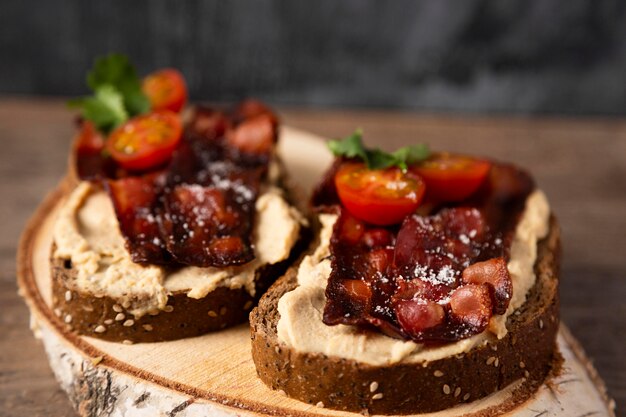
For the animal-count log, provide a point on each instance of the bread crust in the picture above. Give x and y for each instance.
(183, 317)
(528, 352)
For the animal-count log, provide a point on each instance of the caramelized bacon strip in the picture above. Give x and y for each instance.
(495, 274)
(361, 254)
(206, 226)
(436, 279)
(209, 123)
(137, 206)
(251, 142)
(471, 306)
(210, 204)
(436, 249)
(90, 162)
(254, 136)
(250, 108)
(502, 196)
(417, 316)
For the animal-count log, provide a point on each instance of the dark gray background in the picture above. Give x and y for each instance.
(554, 56)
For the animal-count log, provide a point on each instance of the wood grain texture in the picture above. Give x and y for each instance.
(580, 163)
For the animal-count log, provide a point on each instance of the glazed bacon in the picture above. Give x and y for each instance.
(436, 278)
(136, 203)
(211, 225)
(90, 164)
(199, 209)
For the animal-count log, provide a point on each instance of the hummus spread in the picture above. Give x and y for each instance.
(300, 325)
(87, 233)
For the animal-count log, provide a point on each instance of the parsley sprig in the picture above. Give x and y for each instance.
(352, 147)
(117, 94)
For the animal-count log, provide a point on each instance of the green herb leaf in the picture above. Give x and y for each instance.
(105, 109)
(410, 155)
(117, 71)
(352, 147)
(117, 93)
(377, 159)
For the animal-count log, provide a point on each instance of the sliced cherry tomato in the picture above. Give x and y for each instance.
(145, 141)
(380, 197)
(166, 90)
(450, 177)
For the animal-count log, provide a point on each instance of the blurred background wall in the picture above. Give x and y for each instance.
(523, 56)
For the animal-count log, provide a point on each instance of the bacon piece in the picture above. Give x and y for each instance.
(208, 123)
(217, 232)
(185, 163)
(357, 290)
(464, 221)
(354, 260)
(378, 238)
(380, 259)
(90, 162)
(253, 137)
(418, 289)
(495, 274)
(206, 227)
(417, 316)
(137, 207)
(351, 302)
(250, 108)
(349, 229)
(437, 248)
(502, 197)
(471, 306)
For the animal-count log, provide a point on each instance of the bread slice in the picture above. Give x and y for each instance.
(107, 318)
(528, 353)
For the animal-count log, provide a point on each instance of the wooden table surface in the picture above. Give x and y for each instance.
(580, 163)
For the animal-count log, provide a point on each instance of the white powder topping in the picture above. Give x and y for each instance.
(446, 275)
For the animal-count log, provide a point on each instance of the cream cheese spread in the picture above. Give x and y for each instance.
(300, 324)
(87, 233)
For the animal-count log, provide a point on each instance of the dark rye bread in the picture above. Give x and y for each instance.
(527, 351)
(106, 318)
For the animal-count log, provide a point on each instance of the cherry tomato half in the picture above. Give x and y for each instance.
(380, 197)
(166, 90)
(450, 177)
(145, 141)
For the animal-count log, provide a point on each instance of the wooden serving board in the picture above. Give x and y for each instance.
(214, 374)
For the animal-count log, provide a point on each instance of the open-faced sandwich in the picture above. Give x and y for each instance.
(176, 219)
(433, 282)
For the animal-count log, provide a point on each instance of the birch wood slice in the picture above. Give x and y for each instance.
(213, 375)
